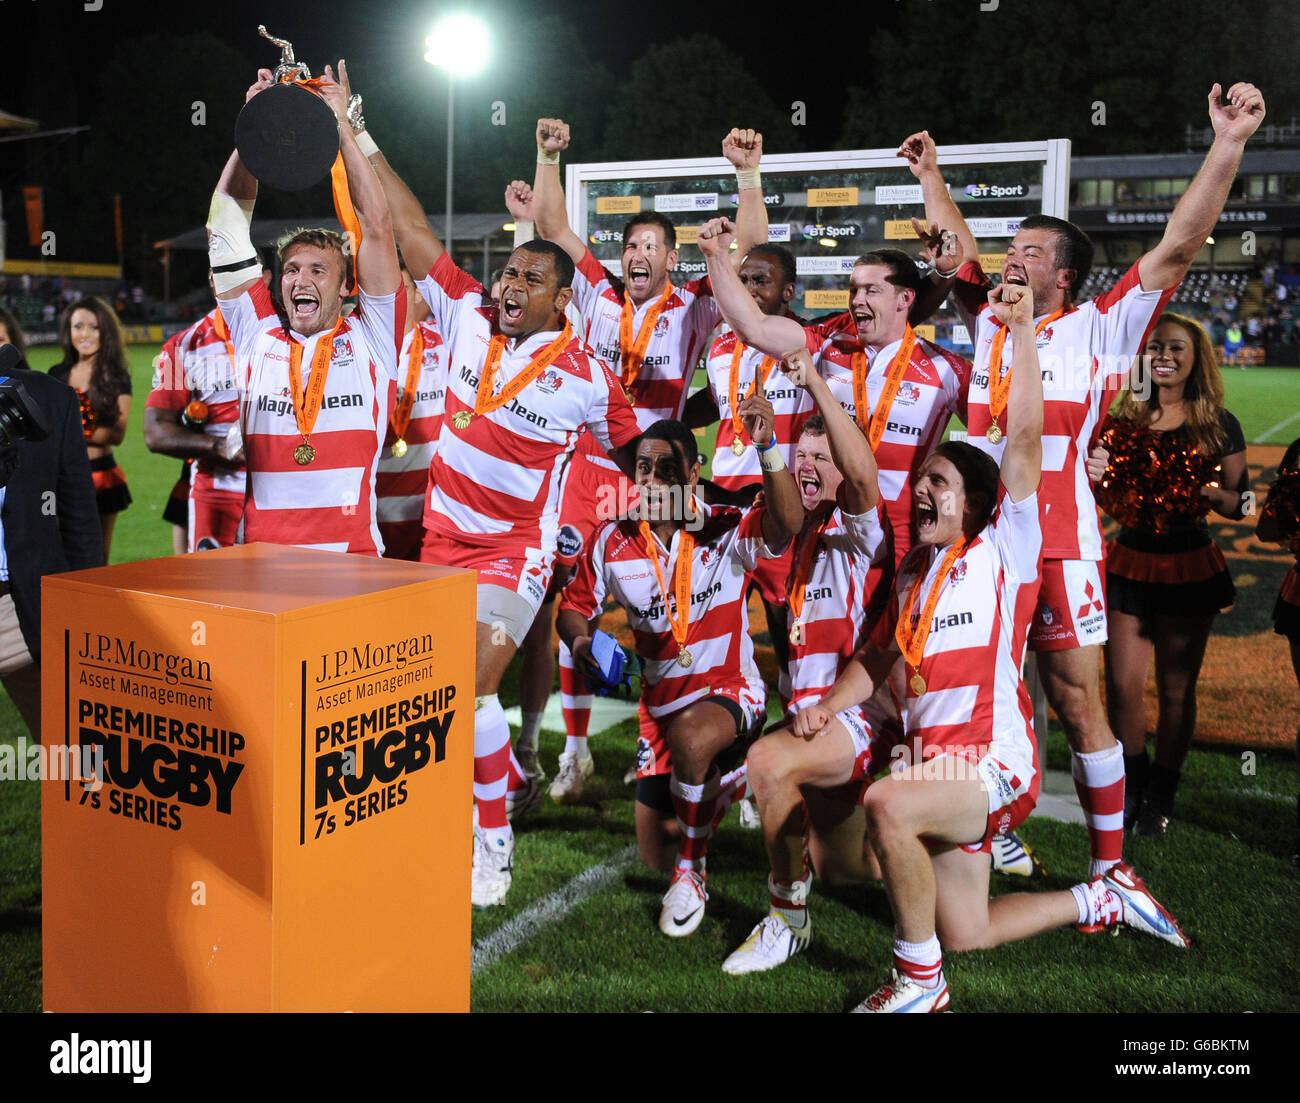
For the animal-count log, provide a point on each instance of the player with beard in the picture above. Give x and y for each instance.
(651, 333)
(969, 767)
(315, 385)
(521, 386)
(1085, 354)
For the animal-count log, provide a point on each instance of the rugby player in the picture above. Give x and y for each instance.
(651, 333)
(969, 767)
(315, 385)
(520, 387)
(679, 567)
(190, 413)
(1085, 353)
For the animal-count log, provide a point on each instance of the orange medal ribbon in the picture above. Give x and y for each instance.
(632, 350)
(911, 636)
(219, 328)
(874, 427)
(681, 623)
(764, 370)
(306, 408)
(402, 415)
(797, 584)
(484, 401)
(999, 384)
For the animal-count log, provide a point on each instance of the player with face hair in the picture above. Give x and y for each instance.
(315, 386)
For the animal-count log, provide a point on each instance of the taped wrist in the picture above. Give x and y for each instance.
(230, 247)
(367, 143)
(748, 178)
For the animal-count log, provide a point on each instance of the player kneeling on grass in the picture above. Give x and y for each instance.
(679, 568)
(971, 769)
(807, 789)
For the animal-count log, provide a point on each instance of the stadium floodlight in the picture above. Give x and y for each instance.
(460, 45)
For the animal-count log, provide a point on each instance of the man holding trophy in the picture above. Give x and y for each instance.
(315, 386)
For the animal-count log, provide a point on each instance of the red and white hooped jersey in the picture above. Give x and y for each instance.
(403, 480)
(195, 364)
(790, 404)
(496, 483)
(687, 319)
(722, 652)
(974, 696)
(329, 503)
(834, 602)
(933, 388)
(1085, 358)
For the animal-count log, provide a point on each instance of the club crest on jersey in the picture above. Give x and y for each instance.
(549, 381)
(342, 346)
(908, 393)
(1048, 615)
(1045, 338)
(958, 571)
(705, 556)
(568, 542)
(661, 327)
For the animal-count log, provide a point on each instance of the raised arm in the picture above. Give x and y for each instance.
(419, 244)
(1022, 462)
(940, 211)
(376, 257)
(1198, 209)
(771, 334)
(784, 514)
(235, 267)
(548, 194)
(744, 149)
(850, 451)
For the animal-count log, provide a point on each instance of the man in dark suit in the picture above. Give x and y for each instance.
(48, 524)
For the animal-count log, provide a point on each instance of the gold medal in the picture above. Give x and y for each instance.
(796, 634)
(304, 454)
(994, 434)
(737, 447)
(462, 418)
(918, 684)
(399, 448)
(684, 658)
(631, 398)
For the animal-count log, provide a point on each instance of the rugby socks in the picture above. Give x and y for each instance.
(1098, 905)
(491, 765)
(732, 788)
(791, 901)
(694, 805)
(1099, 781)
(514, 772)
(921, 962)
(575, 698)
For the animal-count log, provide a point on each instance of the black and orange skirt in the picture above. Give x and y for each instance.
(1179, 574)
(111, 493)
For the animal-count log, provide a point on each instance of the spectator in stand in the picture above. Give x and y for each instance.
(1255, 330)
(1230, 302)
(1219, 330)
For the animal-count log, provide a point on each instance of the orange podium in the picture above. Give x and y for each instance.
(280, 815)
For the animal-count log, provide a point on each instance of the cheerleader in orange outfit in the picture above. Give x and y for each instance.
(1164, 461)
(1279, 523)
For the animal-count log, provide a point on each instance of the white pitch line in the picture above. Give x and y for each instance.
(1264, 437)
(548, 910)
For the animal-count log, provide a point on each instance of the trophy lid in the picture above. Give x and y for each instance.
(287, 137)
